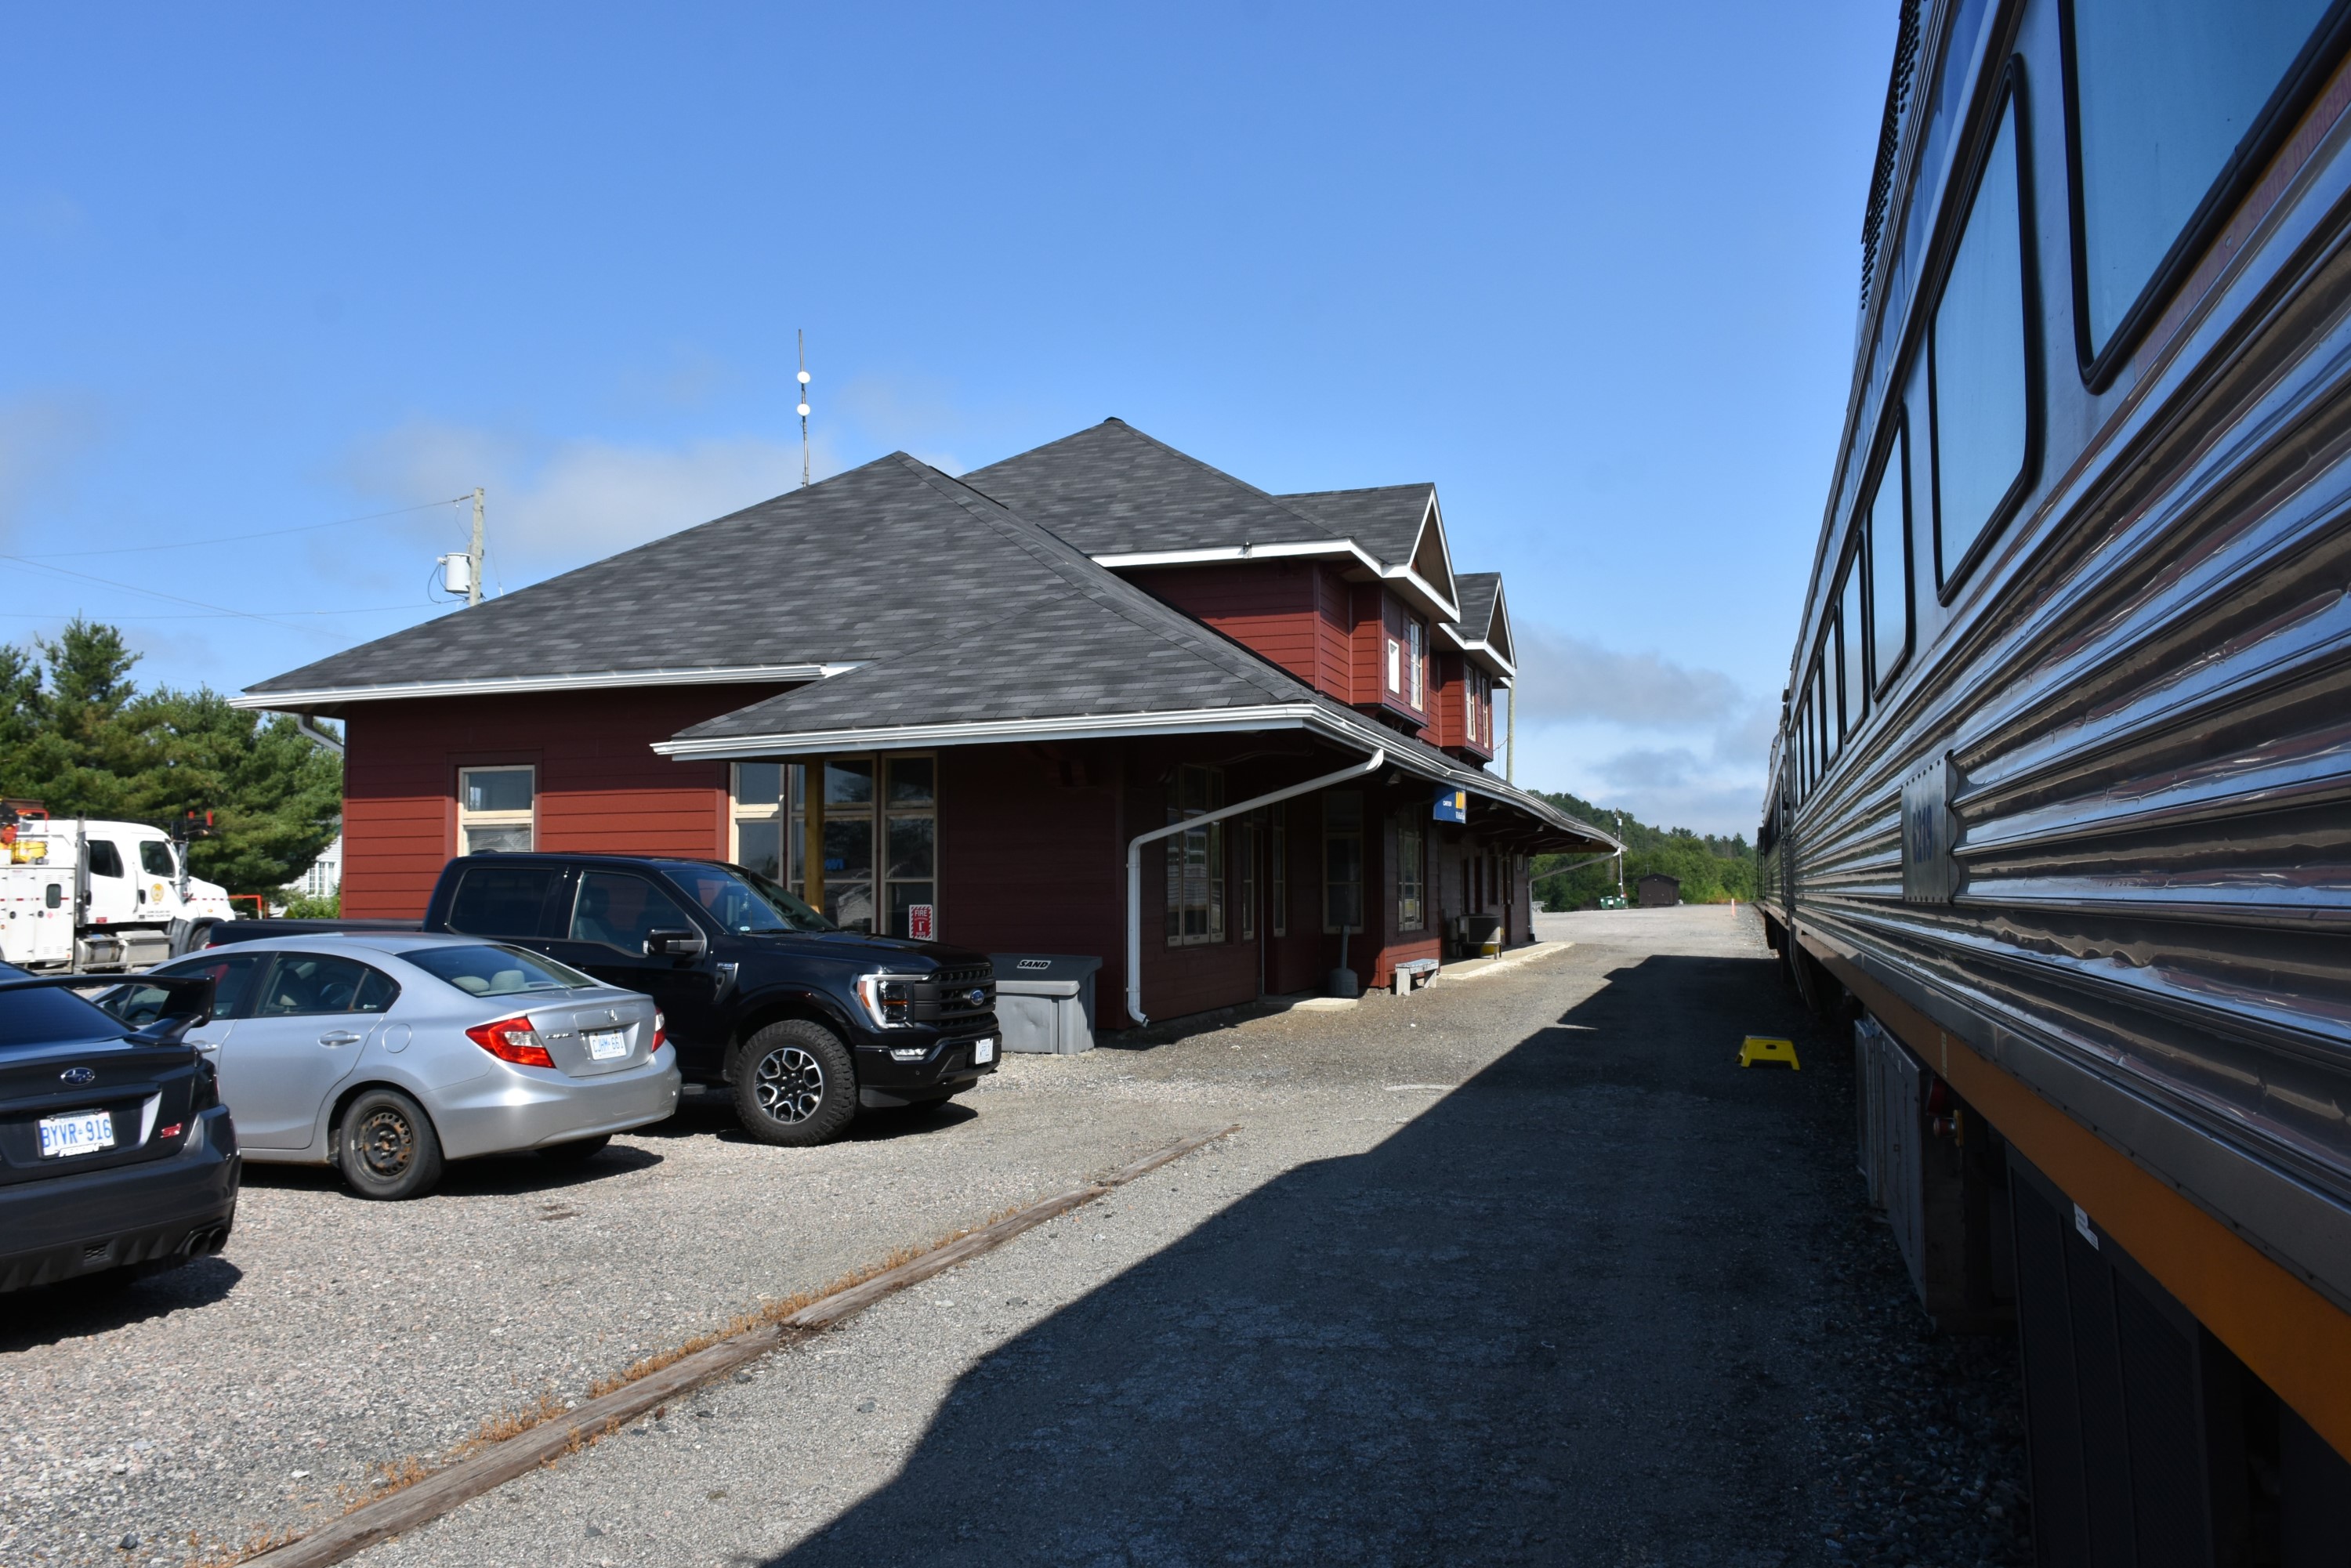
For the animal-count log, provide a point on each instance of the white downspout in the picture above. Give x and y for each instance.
(1372, 764)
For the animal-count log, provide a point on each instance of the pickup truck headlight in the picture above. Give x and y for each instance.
(888, 1000)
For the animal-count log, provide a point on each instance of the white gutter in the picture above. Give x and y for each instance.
(1371, 763)
(1071, 726)
(497, 685)
(316, 736)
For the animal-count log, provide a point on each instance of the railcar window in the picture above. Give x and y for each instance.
(1823, 702)
(2165, 93)
(1851, 637)
(1889, 569)
(1979, 367)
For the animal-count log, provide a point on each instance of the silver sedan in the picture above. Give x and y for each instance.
(386, 1054)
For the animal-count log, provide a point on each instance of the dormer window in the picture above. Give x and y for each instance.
(1396, 666)
(1419, 664)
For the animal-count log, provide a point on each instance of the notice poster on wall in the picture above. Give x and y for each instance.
(918, 922)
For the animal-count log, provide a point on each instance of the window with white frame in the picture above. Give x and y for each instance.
(1195, 858)
(1396, 666)
(1419, 633)
(1412, 902)
(496, 810)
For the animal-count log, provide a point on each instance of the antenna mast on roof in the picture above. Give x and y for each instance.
(804, 446)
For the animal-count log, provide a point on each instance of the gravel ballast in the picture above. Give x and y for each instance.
(1517, 1268)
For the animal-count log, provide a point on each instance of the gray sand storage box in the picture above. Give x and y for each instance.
(1045, 1001)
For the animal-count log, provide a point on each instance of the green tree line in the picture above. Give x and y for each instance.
(1712, 870)
(77, 736)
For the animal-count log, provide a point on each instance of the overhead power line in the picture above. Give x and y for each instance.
(237, 539)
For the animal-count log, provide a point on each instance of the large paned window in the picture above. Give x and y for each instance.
(1411, 904)
(910, 815)
(879, 828)
(1278, 869)
(1195, 858)
(496, 808)
(760, 819)
(1343, 860)
(2170, 99)
(1249, 879)
(1889, 567)
(1979, 372)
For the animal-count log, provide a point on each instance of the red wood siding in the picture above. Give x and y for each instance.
(1334, 628)
(1030, 855)
(1282, 611)
(601, 786)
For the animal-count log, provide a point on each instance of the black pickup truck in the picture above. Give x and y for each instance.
(805, 1022)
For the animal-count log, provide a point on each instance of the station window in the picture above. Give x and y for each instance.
(1343, 860)
(1418, 632)
(497, 808)
(1412, 907)
(1979, 373)
(1889, 567)
(1195, 858)
(2171, 100)
(1278, 870)
(1249, 879)
(877, 819)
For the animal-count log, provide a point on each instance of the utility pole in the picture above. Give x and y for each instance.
(804, 442)
(473, 578)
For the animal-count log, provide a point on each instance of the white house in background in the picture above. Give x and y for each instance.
(326, 873)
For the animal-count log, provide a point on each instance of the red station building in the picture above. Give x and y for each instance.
(950, 706)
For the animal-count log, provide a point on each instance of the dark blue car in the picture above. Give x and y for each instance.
(116, 1157)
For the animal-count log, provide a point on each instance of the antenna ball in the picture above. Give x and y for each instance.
(803, 378)
(803, 410)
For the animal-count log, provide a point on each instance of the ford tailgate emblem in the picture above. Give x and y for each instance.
(79, 1075)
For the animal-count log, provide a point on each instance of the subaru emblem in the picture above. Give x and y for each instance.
(977, 997)
(79, 1075)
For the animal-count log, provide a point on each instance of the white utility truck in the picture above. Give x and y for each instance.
(84, 895)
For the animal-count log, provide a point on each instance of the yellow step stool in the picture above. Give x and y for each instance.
(1764, 1048)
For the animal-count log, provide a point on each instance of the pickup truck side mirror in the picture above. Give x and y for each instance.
(671, 943)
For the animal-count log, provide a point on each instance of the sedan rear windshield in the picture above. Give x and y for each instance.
(46, 1017)
(489, 972)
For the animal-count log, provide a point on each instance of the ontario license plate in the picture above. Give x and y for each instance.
(982, 1052)
(83, 1133)
(607, 1044)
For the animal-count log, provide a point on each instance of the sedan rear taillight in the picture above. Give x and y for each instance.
(511, 1039)
(661, 1030)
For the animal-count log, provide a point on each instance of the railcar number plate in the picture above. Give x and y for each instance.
(607, 1044)
(982, 1052)
(83, 1133)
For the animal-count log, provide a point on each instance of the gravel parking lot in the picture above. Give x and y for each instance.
(1520, 1269)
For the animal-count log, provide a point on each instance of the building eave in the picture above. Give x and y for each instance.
(308, 699)
(1431, 598)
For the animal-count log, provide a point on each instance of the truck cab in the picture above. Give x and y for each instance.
(83, 893)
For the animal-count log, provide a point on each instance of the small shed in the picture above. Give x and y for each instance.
(1659, 891)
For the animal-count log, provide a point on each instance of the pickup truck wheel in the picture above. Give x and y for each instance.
(386, 1147)
(795, 1085)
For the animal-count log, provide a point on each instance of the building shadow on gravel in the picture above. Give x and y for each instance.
(1560, 1317)
(74, 1310)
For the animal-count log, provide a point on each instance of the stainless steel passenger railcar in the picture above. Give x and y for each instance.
(2060, 808)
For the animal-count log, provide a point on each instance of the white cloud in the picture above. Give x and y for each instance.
(1674, 744)
(555, 505)
(1570, 677)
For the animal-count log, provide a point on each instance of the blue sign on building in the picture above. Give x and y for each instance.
(1452, 805)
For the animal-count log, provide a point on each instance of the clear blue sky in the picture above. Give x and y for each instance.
(1589, 269)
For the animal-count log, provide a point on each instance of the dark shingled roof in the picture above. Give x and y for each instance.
(1112, 490)
(1477, 591)
(1385, 520)
(728, 593)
